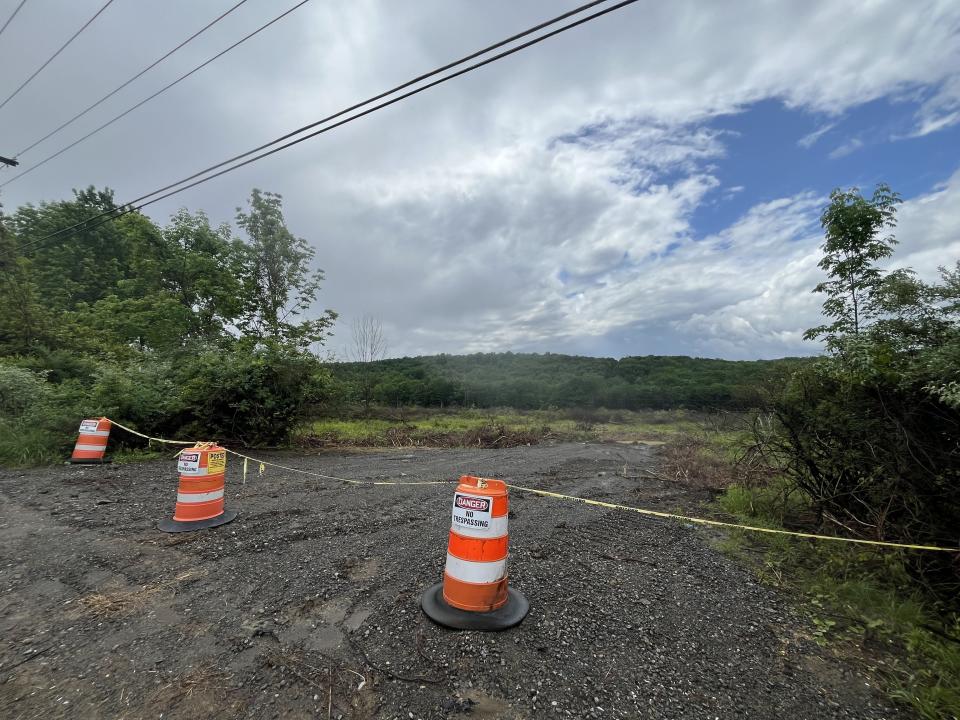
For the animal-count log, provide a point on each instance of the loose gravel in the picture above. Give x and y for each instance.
(307, 605)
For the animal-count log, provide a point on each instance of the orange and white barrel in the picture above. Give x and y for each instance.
(200, 494)
(475, 577)
(92, 441)
(474, 594)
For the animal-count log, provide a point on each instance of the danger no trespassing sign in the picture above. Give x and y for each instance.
(472, 511)
(189, 462)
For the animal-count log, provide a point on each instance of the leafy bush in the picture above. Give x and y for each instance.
(878, 459)
(254, 396)
(237, 394)
(144, 394)
(870, 433)
(20, 389)
(32, 429)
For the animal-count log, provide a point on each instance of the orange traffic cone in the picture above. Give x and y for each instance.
(474, 594)
(92, 442)
(200, 495)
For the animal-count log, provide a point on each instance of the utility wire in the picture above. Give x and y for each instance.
(12, 16)
(151, 97)
(135, 77)
(380, 96)
(51, 58)
(132, 206)
(392, 101)
(471, 56)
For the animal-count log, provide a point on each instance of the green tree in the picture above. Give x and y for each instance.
(85, 265)
(120, 288)
(277, 283)
(24, 322)
(870, 432)
(853, 245)
(202, 270)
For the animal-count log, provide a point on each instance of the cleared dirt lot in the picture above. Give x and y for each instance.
(307, 605)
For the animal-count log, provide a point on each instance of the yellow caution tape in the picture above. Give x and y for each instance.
(153, 439)
(264, 463)
(718, 523)
(561, 496)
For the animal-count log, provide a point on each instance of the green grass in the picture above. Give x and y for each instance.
(624, 426)
(23, 445)
(26, 445)
(374, 428)
(425, 427)
(764, 507)
(859, 601)
(356, 429)
(655, 425)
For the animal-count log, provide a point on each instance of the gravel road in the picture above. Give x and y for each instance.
(307, 606)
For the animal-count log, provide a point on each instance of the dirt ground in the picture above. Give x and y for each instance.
(307, 605)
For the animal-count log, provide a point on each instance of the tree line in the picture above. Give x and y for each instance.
(537, 381)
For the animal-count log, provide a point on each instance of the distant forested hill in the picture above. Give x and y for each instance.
(539, 381)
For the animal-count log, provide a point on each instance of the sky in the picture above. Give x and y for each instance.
(649, 183)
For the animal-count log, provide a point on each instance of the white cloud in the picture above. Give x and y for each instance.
(490, 238)
(809, 140)
(844, 149)
(928, 230)
(942, 109)
(542, 202)
(771, 318)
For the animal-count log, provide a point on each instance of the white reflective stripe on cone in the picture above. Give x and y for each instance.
(476, 572)
(98, 433)
(496, 529)
(82, 446)
(199, 497)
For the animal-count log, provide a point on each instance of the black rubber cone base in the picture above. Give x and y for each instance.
(442, 613)
(191, 525)
(85, 461)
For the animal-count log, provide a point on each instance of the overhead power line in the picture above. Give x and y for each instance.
(52, 57)
(12, 15)
(380, 96)
(177, 187)
(159, 92)
(140, 74)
